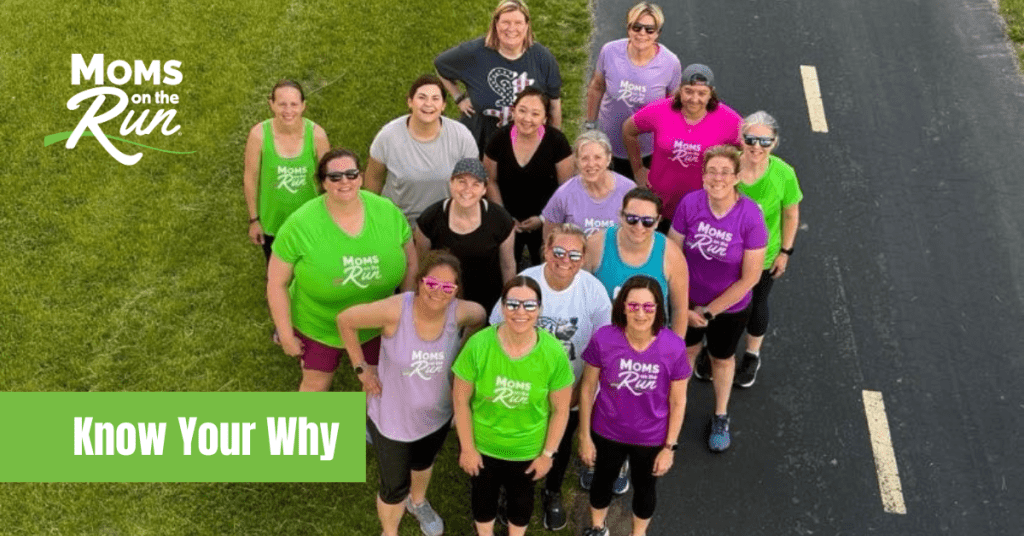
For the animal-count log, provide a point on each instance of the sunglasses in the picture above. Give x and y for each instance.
(434, 284)
(763, 141)
(632, 219)
(648, 307)
(560, 253)
(350, 174)
(649, 28)
(527, 305)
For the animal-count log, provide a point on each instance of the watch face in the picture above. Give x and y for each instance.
(359, 370)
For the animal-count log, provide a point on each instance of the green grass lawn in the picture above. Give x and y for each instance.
(1013, 12)
(141, 278)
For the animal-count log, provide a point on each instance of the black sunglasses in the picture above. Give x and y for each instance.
(649, 28)
(647, 221)
(350, 174)
(764, 141)
(527, 305)
(560, 253)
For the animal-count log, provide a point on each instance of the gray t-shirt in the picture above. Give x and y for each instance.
(418, 172)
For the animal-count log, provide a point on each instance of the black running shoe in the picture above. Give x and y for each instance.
(554, 514)
(746, 372)
(702, 367)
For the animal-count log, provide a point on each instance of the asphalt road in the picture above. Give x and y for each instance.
(908, 277)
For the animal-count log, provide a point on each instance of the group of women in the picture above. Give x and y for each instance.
(613, 267)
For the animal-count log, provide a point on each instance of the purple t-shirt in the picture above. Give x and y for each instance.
(714, 247)
(415, 378)
(633, 397)
(629, 87)
(678, 159)
(572, 204)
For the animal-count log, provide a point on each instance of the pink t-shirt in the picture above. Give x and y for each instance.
(678, 158)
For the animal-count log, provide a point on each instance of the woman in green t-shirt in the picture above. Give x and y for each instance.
(343, 248)
(772, 184)
(513, 386)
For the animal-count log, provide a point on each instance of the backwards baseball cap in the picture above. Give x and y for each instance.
(698, 72)
(470, 166)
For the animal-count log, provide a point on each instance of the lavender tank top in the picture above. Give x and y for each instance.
(415, 377)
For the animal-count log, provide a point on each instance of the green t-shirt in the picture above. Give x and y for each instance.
(510, 396)
(333, 270)
(285, 183)
(776, 189)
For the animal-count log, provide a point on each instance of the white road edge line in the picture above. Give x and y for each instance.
(812, 92)
(885, 458)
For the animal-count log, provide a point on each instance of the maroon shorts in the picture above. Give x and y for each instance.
(319, 356)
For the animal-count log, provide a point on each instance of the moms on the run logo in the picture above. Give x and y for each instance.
(119, 73)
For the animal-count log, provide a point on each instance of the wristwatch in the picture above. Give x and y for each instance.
(708, 316)
(550, 453)
(671, 446)
(359, 368)
(786, 251)
(589, 125)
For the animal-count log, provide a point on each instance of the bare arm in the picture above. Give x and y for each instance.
(588, 391)
(678, 286)
(412, 264)
(469, 457)
(379, 314)
(321, 143)
(493, 192)
(251, 180)
(753, 261)
(279, 276)
(557, 421)
(465, 106)
(631, 139)
(423, 243)
(375, 175)
(790, 223)
(565, 169)
(676, 411)
(595, 250)
(472, 317)
(506, 253)
(556, 113)
(595, 92)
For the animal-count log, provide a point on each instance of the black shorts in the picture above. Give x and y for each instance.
(723, 333)
(397, 459)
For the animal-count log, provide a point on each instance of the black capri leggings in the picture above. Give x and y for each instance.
(723, 333)
(553, 482)
(518, 491)
(610, 457)
(757, 326)
(396, 460)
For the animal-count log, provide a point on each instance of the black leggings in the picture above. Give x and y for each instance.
(268, 242)
(396, 460)
(531, 241)
(518, 491)
(757, 326)
(553, 482)
(624, 168)
(610, 457)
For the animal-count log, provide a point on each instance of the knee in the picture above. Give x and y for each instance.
(394, 494)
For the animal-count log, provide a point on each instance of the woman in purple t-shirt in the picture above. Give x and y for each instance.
(642, 372)
(409, 404)
(723, 236)
(629, 74)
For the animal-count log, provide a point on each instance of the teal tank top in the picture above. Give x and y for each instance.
(613, 272)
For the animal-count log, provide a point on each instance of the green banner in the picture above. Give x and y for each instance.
(182, 437)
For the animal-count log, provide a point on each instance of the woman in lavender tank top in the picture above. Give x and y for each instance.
(641, 368)
(409, 404)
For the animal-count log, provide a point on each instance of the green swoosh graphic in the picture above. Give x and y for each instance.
(61, 136)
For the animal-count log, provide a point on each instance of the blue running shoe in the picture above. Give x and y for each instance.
(719, 440)
(621, 484)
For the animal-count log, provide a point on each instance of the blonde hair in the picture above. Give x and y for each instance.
(570, 229)
(507, 6)
(645, 8)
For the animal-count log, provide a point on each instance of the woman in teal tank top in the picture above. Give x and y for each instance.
(633, 247)
(281, 155)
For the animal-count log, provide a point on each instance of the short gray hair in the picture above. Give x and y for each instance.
(592, 136)
(763, 118)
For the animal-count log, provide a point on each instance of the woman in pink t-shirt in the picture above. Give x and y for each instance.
(684, 126)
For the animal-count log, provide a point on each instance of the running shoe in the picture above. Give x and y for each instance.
(719, 440)
(554, 514)
(586, 477)
(595, 531)
(702, 366)
(746, 372)
(621, 484)
(430, 523)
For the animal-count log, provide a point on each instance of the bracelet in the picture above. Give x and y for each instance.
(254, 220)
(460, 98)
(550, 453)
(786, 251)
